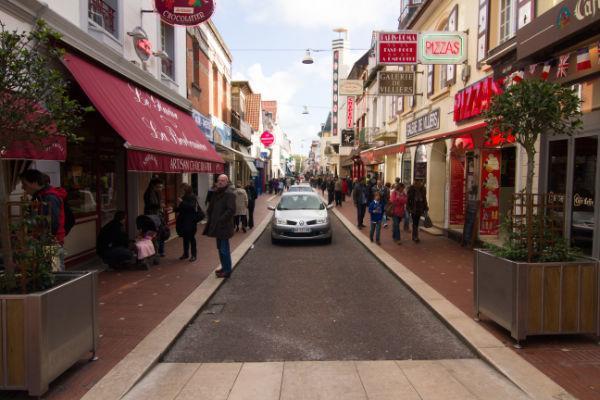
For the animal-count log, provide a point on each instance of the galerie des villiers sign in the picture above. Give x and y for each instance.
(184, 12)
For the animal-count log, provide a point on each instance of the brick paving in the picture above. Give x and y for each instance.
(133, 303)
(571, 361)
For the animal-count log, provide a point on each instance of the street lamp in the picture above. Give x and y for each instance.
(305, 111)
(307, 58)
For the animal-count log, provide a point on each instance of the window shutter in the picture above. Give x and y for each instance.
(452, 27)
(482, 31)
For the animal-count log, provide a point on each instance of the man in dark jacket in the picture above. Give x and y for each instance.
(252, 195)
(51, 204)
(153, 206)
(417, 205)
(112, 244)
(220, 223)
(359, 197)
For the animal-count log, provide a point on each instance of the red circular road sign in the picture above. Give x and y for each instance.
(184, 12)
(267, 138)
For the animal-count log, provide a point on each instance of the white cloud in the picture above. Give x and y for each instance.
(323, 13)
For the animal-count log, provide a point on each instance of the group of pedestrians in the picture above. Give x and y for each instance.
(278, 185)
(389, 201)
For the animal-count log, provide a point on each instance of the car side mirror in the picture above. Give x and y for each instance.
(330, 206)
(272, 208)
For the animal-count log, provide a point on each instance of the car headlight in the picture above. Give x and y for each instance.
(322, 220)
(279, 221)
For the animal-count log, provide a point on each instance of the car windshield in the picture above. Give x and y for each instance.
(300, 202)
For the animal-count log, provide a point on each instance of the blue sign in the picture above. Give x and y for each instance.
(221, 132)
(204, 124)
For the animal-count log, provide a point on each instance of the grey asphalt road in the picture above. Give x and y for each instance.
(314, 303)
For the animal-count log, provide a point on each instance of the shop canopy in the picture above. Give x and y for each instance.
(158, 136)
(52, 148)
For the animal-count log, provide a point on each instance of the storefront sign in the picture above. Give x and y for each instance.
(153, 162)
(49, 148)
(396, 48)
(396, 83)
(350, 112)
(442, 47)
(267, 139)
(336, 77)
(204, 124)
(457, 189)
(474, 99)
(565, 19)
(221, 132)
(490, 192)
(348, 137)
(426, 123)
(184, 12)
(351, 87)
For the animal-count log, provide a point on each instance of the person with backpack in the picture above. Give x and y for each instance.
(376, 211)
(397, 205)
(51, 202)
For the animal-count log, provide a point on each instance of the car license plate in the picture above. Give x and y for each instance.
(301, 230)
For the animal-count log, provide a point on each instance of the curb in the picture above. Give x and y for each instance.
(131, 369)
(522, 374)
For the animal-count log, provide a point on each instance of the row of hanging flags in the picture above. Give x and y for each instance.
(562, 64)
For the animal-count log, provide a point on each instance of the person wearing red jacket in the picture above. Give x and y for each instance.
(399, 199)
(51, 203)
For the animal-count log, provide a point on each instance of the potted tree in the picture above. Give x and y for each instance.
(535, 283)
(47, 320)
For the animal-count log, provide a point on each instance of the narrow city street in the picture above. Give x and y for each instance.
(314, 303)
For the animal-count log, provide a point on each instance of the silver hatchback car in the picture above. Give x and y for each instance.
(301, 216)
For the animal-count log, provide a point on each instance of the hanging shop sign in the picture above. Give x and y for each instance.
(426, 123)
(184, 12)
(396, 83)
(490, 192)
(471, 101)
(204, 124)
(351, 87)
(222, 133)
(442, 47)
(141, 44)
(396, 48)
(350, 112)
(267, 138)
(348, 137)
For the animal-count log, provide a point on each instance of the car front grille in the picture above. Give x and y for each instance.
(290, 222)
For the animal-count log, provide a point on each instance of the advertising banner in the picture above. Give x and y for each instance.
(221, 132)
(350, 112)
(490, 192)
(205, 125)
(457, 190)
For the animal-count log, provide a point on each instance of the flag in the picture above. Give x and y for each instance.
(517, 76)
(545, 71)
(532, 69)
(563, 65)
(583, 59)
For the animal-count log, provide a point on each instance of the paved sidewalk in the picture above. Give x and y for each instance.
(326, 380)
(133, 303)
(571, 361)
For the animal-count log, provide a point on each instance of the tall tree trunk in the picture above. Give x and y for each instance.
(530, 150)
(4, 225)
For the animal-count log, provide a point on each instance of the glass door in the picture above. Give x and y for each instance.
(583, 226)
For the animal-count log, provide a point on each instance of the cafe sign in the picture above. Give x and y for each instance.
(442, 47)
(396, 83)
(426, 123)
(184, 12)
(351, 87)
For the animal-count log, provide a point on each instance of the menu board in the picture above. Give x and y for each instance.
(490, 192)
(457, 190)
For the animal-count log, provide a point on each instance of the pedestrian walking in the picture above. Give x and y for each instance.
(153, 206)
(359, 198)
(398, 200)
(186, 223)
(48, 201)
(376, 212)
(344, 188)
(337, 187)
(252, 196)
(323, 186)
(330, 191)
(417, 205)
(220, 223)
(241, 207)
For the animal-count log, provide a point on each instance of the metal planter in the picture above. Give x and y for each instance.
(538, 298)
(43, 334)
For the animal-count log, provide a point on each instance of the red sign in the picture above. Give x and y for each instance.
(397, 48)
(350, 114)
(184, 12)
(153, 162)
(471, 101)
(490, 192)
(457, 190)
(267, 138)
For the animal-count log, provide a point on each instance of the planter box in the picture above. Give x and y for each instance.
(43, 334)
(538, 298)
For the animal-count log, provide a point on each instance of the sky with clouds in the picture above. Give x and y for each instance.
(288, 27)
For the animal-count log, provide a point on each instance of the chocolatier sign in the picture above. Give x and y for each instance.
(184, 12)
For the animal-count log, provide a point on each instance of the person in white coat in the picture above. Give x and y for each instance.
(241, 207)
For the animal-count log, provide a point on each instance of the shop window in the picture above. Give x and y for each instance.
(80, 180)
(421, 163)
(557, 167)
(196, 62)
(584, 189)
(544, 5)
(167, 41)
(406, 167)
(105, 14)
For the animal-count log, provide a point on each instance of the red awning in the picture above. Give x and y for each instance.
(53, 148)
(159, 137)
